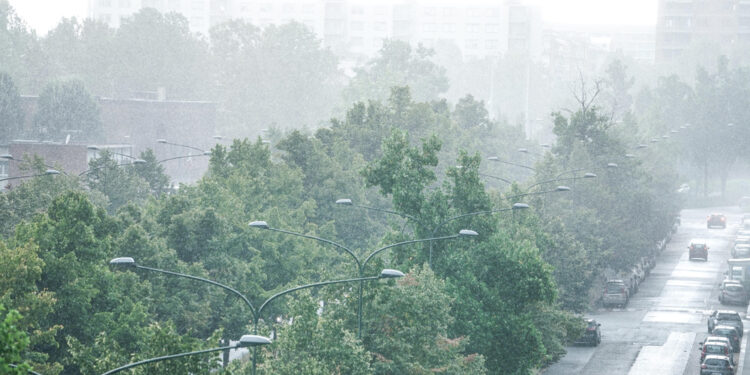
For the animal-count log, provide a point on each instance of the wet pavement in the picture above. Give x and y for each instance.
(661, 327)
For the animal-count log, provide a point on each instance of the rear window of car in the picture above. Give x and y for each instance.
(724, 332)
(715, 362)
(715, 349)
(734, 288)
(615, 287)
(730, 316)
(698, 245)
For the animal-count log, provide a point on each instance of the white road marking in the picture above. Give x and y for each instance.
(670, 358)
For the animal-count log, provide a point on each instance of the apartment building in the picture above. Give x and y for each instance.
(357, 28)
(688, 28)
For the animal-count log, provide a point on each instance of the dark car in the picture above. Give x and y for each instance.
(716, 220)
(729, 332)
(725, 318)
(698, 249)
(592, 335)
(717, 364)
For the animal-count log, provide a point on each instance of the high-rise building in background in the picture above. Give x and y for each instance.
(697, 32)
(356, 28)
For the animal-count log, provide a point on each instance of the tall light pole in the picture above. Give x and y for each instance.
(246, 341)
(360, 264)
(129, 263)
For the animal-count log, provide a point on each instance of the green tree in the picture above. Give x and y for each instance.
(11, 114)
(121, 184)
(23, 57)
(66, 108)
(280, 76)
(314, 345)
(13, 341)
(397, 64)
(411, 336)
(156, 50)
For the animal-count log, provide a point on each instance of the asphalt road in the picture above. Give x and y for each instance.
(660, 329)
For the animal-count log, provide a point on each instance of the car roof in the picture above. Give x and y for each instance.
(717, 338)
(717, 342)
(615, 281)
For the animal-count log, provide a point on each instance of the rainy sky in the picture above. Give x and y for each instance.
(43, 15)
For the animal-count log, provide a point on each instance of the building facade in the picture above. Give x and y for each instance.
(357, 28)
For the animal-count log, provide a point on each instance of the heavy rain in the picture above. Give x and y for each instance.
(374, 187)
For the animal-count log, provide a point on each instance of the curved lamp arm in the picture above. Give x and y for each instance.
(204, 153)
(264, 225)
(348, 202)
(464, 232)
(29, 371)
(245, 341)
(129, 262)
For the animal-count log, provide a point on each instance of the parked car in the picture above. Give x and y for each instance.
(616, 293)
(742, 240)
(732, 293)
(716, 347)
(717, 365)
(725, 318)
(729, 332)
(698, 249)
(716, 220)
(591, 335)
(741, 250)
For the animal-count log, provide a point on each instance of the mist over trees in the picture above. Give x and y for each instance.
(399, 140)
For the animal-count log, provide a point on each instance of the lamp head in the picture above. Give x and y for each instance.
(6, 156)
(390, 274)
(161, 140)
(217, 137)
(139, 161)
(122, 263)
(589, 175)
(612, 165)
(519, 206)
(259, 224)
(493, 158)
(562, 188)
(344, 201)
(629, 156)
(247, 341)
(92, 148)
(523, 150)
(467, 233)
(207, 153)
(51, 171)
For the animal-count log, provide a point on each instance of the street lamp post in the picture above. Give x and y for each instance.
(128, 262)
(360, 264)
(246, 341)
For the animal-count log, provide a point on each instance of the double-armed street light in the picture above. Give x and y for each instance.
(359, 263)
(48, 172)
(246, 341)
(129, 263)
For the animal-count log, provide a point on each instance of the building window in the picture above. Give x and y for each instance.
(266, 7)
(430, 11)
(492, 28)
(449, 27)
(472, 28)
(308, 8)
(125, 4)
(472, 44)
(429, 27)
(494, 12)
(105, 3)
(492, 44)
(474, 12)
(380, 11)
(357, 42)
(287, 8)
(357, 26)
(358, 10)
(378, 26)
